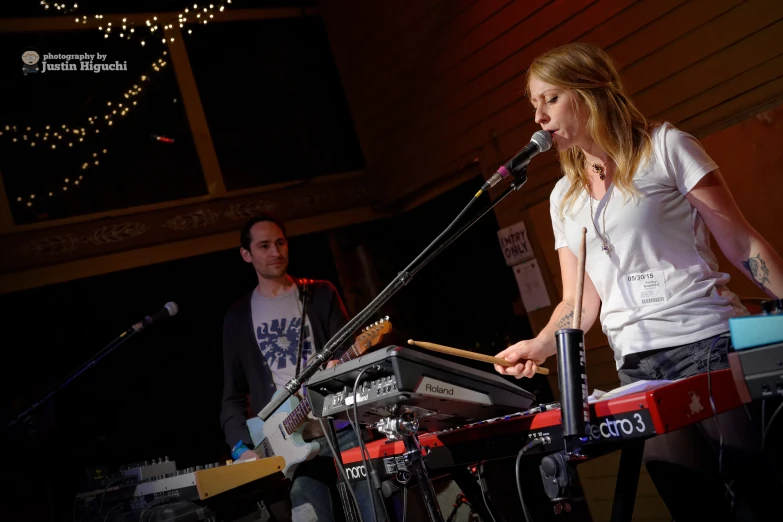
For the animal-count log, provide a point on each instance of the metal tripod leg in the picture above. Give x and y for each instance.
(627, 481)
(414, 461)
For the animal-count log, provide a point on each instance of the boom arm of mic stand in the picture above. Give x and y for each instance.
(402, 279)
(83, 368)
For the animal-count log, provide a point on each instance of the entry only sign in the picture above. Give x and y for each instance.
(515, 244)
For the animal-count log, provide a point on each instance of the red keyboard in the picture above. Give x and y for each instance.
(662, 408)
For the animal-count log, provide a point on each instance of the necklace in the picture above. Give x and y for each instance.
(600, 170)
(605, 246)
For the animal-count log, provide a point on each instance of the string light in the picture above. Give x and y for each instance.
(129, 28)
(59, 7)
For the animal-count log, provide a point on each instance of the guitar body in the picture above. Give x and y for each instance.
(272, 437)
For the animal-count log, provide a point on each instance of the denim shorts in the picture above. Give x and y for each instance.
(677, 362)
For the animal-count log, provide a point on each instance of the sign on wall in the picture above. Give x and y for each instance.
(515, 244)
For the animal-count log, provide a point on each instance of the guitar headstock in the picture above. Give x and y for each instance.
(372, 335)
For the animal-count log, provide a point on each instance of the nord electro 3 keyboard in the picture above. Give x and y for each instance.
(616, 422)
(444, 394)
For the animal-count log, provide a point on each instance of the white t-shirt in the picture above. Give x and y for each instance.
(660, 285)
(276, 322)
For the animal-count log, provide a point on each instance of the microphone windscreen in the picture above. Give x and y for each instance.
(543, 139)
(172, 308)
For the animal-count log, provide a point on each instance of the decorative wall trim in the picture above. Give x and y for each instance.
(163, 252)
(75, 241)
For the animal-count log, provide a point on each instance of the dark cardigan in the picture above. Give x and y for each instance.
(245, 372)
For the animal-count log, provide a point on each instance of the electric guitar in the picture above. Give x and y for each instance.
(281, 434)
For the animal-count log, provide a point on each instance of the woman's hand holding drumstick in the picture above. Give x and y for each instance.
(468, 354)
(523, 359)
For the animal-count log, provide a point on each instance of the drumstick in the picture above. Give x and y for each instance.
(469, 355)
(580, 282)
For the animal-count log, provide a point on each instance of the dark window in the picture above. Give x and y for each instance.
(273, 100)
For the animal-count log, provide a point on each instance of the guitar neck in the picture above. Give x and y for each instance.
(303, 409)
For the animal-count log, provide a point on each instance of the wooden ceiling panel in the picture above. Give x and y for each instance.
(736, 109)
(699, 43)
(719, 93)
(433, 17)
(358, 39)
(438, 97)
(477, 92)
(631, 22)
(392, 80)
(456, 64)
(726, 64)
(664, 29)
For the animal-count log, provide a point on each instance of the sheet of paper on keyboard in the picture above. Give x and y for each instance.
(628, 389)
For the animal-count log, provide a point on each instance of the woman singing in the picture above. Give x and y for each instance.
(649, 195)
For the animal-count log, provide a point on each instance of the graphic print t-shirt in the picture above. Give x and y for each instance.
(277, 324)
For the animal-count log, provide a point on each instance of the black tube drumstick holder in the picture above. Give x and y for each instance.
(572, 380)
(558, 471)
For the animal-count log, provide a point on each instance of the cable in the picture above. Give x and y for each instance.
(481, 487)
(110, 510)
(156, 502)
(769, 425)
(451, 225)
(764, 439)
(404, 274)
(340, 467)
(538, 441)
(460, 500)
(22, 417)
(362, 448)
(729, 490)
(103, 493)
(404, 502)
(712, 400)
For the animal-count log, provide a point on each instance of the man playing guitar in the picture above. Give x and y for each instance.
(268, 336)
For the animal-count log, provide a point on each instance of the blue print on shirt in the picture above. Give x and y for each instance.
(279, 341)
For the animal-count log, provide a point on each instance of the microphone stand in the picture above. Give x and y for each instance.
(402, 279)
(94, 360)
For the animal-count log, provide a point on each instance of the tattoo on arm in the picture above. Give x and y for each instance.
(566, 320)
(758, 270)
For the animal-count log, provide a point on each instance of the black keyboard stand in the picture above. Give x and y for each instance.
(406, 427)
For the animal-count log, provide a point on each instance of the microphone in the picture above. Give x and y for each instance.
(541, 141)
(168, 310)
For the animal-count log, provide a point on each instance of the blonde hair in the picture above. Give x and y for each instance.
(615, 124)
